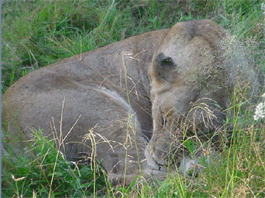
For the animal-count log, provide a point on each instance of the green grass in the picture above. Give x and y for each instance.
(38, 33)
(46, 173)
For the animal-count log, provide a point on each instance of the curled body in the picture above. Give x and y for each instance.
(129, 103)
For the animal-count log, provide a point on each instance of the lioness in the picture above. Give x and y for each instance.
(111, 101)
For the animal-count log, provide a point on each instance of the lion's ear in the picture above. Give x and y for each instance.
(165, 68)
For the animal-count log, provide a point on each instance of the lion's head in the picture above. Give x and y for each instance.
(190, 87)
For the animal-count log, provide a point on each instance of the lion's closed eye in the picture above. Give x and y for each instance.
(163, 121)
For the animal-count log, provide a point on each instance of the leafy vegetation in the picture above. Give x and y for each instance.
(36, 33)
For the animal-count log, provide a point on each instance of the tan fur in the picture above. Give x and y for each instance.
(105, 94)
(107, 88)
(192, 78)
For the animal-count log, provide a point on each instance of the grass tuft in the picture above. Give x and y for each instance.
(46, 173)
